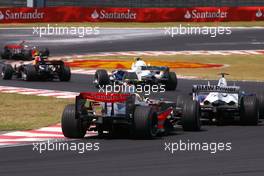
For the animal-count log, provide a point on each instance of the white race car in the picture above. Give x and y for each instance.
(140, 73)
(221, 103)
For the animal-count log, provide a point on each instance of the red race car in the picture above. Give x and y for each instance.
(126, 113)
(22, 51)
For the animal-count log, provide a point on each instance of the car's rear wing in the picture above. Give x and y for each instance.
(153, 68)
(54, 62)
(215, 88)
(106, 99)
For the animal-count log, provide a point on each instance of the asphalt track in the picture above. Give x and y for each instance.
(110, 40)
(143, 157)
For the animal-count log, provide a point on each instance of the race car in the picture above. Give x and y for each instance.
(22, 51)
(140, 73)
(126, 113)
(222, 103)
(43, 70)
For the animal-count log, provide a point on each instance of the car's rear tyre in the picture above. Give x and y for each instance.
(180, 99)
(65, 73)
(172, 81)
(6, 55)
(249, 110)
(191, 116)
(72, 127)
(7, 72)
(145, 122)
(29, 73)
(101, 78)
(261, 105)
(27, 55)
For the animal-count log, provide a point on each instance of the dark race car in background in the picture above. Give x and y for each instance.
(21, 51)
(126, 113)
(43, 71)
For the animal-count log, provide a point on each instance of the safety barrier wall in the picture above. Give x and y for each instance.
(85, 14)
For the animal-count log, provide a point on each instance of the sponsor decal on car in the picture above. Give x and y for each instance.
(215, 88)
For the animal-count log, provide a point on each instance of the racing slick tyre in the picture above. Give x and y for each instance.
(65, 73)
(261, 105)
(172, 81)
(249, 110)
(191, 116)
(101, 78)
(180, 99)
(6, 55)
(72, 127)
(27, 55)
(30, 73)
(145, 122)
(7, 72)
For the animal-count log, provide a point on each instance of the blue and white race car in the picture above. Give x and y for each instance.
(222, 103)
(140, 73)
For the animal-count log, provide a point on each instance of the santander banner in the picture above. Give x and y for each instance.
(89, 14)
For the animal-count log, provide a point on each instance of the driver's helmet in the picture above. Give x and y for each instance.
(140, 63)
(36, 54)
(137, 58)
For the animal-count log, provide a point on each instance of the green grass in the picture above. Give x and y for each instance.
(140, 25)
(24, 112)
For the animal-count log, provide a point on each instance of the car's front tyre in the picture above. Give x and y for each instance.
(249, 110)
(65, 73)
(29, 73)
(191, 116)
(7, 72)
(101, 78)
(260, 97)
(171, 83)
